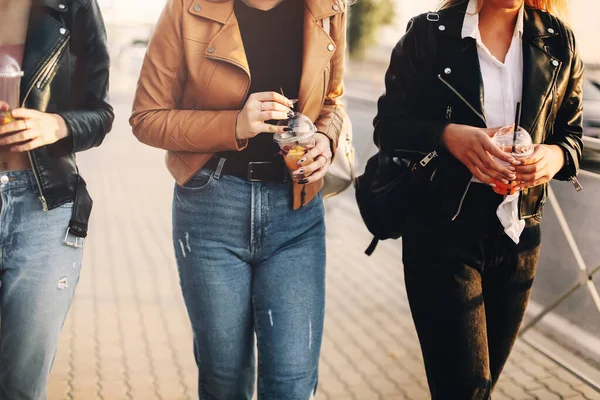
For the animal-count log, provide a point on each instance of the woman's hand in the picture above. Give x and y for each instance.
(540, 168)
(320, 160)
(261, 107)
(32, 129)
(474, 148)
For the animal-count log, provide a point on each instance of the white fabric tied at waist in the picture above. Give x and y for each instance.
(508, 214)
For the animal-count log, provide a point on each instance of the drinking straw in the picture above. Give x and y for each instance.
(514, 146)
(517, 123)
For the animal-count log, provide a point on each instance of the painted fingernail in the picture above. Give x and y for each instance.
(300, 171)
(290, 114)
(303, 181)
(287, 129)
(492, 184)
(517, 188)
(510, 167)
(516, 162)
(302, 160)
(512, 176)
(504, 181)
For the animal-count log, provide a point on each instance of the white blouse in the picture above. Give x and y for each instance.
(502, 89)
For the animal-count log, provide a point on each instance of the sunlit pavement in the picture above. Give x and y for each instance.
(128, 336)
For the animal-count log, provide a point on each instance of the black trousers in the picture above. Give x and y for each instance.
(468, 285)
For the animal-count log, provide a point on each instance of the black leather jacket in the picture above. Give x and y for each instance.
(66, 66)
(434, 79)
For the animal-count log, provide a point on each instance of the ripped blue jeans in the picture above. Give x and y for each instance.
(38, 276)
(250, 264)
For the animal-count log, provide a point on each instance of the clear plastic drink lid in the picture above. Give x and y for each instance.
(505, 139)
(302, 129)
(9, 67)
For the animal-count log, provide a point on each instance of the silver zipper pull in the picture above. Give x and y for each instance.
(44, 203)
(576, 183)
(428, 158)
(449, 113)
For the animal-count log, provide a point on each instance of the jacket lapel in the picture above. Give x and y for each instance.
(318, 45)
(227, 45)
(540, 68)
(458, 61)
(44, 34)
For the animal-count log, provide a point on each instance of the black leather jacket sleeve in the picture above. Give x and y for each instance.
(568, 126)
(92, 117)
(400, 125)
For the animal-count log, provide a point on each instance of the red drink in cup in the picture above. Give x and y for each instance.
(520, 147)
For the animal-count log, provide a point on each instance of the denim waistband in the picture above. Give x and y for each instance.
(17, 179)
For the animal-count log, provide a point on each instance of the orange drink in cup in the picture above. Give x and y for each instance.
(520, 147)
(298, 141)
(10, 84)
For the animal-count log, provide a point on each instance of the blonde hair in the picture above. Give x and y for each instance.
(558, 8)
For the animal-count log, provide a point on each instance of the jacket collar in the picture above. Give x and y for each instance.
(536, 23)
(220, 11)
(540, 66)
(228, 46)
(43, 34)
(56, 5)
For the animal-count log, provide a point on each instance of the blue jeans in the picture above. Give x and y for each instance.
(250, 264)
(38, 276)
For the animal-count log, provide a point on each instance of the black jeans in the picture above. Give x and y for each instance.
(468, 285)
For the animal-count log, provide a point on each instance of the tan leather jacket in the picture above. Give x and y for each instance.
(195, 79)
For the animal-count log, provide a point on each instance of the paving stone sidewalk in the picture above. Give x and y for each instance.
(128, 336)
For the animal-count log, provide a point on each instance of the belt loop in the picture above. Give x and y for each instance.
(219, 169)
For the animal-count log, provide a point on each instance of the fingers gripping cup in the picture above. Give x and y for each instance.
(10, 84)
(519, 146)
(295, 143)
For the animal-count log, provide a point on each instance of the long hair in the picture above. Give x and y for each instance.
(558, 8)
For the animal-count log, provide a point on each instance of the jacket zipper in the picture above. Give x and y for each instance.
(462, 200)
(35, 80)
(481, 116)
(433, 175)
(576, 183)
(460, 96)
(428, 158)
(47, 75)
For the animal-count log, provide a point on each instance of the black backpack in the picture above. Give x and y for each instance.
(386, 192)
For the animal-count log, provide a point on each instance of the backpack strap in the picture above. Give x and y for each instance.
(372, 246)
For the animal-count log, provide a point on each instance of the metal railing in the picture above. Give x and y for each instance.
(586, 275)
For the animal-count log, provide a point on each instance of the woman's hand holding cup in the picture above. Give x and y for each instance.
(474, 148)
(316, 162)
(259, 108)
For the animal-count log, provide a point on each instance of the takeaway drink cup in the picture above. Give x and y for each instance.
(10, 84)
(520, 147)
(297, 142)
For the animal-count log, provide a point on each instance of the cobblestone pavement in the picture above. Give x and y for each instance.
(128, 336)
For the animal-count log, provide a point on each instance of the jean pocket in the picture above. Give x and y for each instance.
(199, 181)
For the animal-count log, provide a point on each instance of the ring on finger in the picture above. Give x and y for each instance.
(325, 158)
(262, 106)
(25, 122)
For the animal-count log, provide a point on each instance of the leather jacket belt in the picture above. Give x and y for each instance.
(257, 171)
